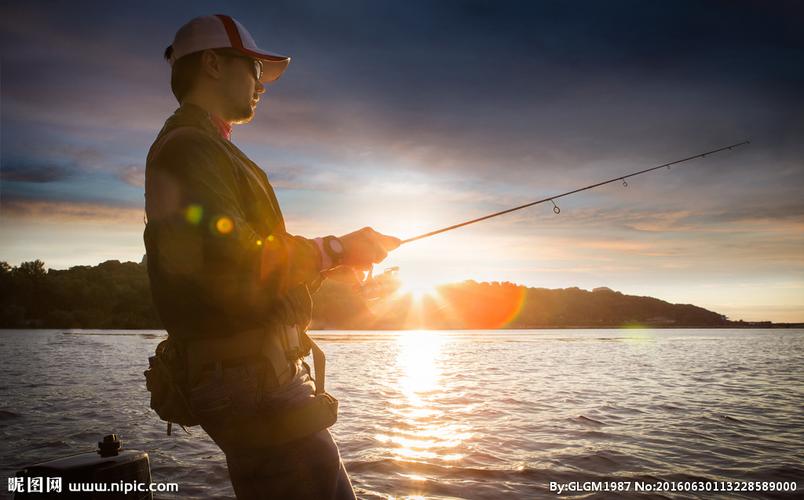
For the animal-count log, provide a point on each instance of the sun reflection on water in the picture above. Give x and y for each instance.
(423, 430)
(419, 351)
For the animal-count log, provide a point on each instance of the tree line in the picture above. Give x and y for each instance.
(116, 295)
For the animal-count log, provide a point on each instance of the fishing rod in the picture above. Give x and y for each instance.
(591, 186)
(366, 285)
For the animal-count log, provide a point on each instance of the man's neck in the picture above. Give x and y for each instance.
(207, 105)
(224, 126)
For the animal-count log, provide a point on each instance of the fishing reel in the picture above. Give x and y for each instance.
(370, 287)
(376, 287)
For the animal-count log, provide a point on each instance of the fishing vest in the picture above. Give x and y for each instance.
(211, 216)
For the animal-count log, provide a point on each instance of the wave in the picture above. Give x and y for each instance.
(8, 415)
(582, 419)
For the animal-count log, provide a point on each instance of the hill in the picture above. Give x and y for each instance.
(116, 294)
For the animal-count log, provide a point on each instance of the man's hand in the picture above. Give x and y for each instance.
(365, 247)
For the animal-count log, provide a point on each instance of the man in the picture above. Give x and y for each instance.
(232, 286)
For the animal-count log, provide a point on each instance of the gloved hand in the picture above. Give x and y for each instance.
(365, 247)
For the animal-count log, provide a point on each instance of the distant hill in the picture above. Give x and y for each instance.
(471, 305)
(116, 295)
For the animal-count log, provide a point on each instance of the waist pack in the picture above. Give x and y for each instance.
(166, 379)
(320, 412)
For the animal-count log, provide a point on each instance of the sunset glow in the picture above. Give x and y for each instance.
(417, 285)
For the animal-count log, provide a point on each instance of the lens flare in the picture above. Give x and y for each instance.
(224, 225)
(193, 214)
(485, 305)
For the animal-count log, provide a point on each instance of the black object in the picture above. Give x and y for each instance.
(334, 249)
(110, 446)
(109, 465)
(165, 379)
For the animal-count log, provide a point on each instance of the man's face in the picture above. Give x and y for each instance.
(240, 88)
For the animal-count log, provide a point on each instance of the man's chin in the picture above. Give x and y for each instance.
(244, 115)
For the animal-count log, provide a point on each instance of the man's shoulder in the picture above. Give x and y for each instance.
(186, 135)
(183, 141)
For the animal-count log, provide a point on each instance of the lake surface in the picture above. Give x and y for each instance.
(454, 414)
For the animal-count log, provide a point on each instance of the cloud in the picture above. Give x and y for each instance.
(304, 177)
(71, 172)
(617, 245)
(71, 212)
(133, 175)
(64, 157)
(35, 172)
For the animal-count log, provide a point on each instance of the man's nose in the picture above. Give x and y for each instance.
(259, 88)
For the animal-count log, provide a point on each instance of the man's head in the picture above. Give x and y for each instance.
(215, 60)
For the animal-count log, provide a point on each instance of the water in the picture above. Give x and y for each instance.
(454, 414)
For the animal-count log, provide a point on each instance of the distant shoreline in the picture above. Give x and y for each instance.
(779, 326)
(117, 295)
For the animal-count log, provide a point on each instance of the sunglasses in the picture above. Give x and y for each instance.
(257, 64)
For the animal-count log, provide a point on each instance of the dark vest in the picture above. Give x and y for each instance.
(220, 260)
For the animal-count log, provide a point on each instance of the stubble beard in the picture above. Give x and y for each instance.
(241, 113)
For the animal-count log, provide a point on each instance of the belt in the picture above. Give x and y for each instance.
(280, 345)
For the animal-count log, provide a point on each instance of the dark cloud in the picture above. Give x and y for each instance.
(487, 89)
(35, 172)
(496, 91)
(65, 172)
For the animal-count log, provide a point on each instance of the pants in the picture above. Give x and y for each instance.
(307, 468)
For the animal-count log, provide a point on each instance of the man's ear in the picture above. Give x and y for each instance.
(211, 64)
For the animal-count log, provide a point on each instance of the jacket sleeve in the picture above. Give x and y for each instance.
(203, 235)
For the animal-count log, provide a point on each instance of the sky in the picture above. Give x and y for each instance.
(409, 116)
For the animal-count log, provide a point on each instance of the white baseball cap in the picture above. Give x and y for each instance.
(219, 32)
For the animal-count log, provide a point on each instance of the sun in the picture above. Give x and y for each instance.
(418, 286)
